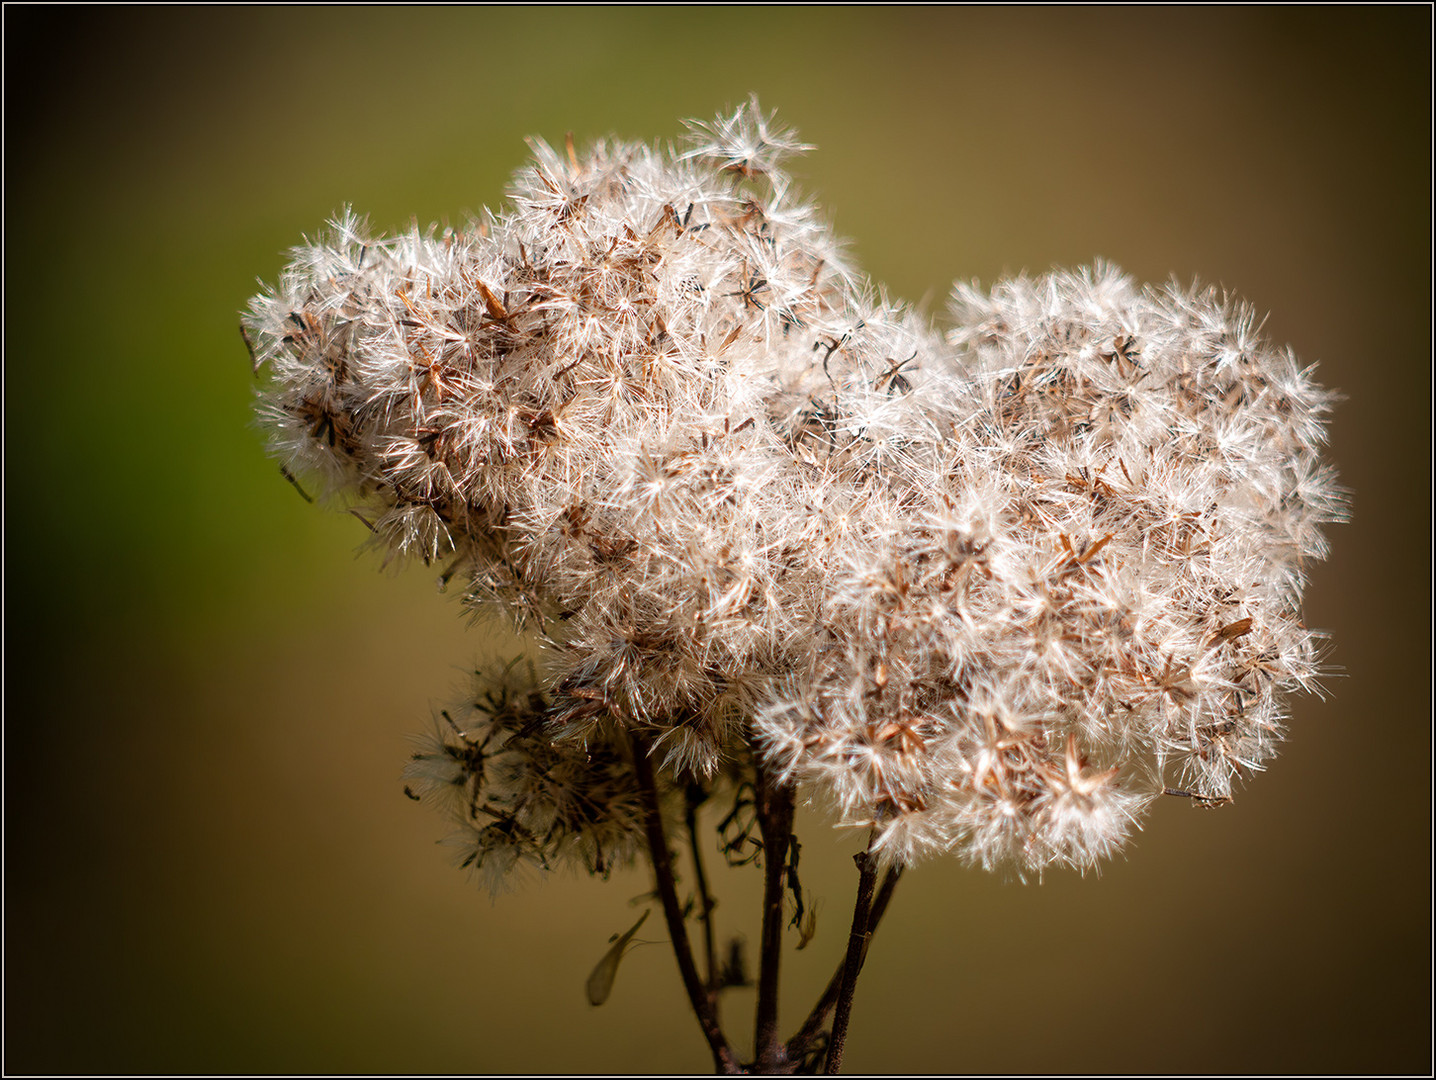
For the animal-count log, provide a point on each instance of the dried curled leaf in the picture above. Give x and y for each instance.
(600, 983)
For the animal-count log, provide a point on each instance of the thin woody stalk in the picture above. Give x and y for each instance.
(705, 898)
(799, 1043)
(775, 820)
(698, 995)
(867, 864)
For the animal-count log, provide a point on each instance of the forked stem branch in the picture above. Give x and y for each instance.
(723, 1058)
(798, 1045)
(858, 938)
(775, 821)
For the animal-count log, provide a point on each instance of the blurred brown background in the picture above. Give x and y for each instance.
(209, 862)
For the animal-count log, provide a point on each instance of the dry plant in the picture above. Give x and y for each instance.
(986, 592)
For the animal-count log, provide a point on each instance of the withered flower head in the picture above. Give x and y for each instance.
(988, 592)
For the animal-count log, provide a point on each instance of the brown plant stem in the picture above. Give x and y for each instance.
(775, 821)
(705, 898)
(867, 864)
(723, 1058)
(798, 1045)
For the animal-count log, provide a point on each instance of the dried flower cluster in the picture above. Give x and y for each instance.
(518, 796)
(984, 591)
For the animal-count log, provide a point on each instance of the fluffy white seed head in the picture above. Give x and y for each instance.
(988, 593)
(1093, 580)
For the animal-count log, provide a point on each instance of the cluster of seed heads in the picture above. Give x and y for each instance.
(988, 592)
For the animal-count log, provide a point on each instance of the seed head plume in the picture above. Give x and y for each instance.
(986, 590)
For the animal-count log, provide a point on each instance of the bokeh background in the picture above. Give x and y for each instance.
(209, 864)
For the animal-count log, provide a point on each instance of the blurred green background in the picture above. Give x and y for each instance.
(209, 862)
